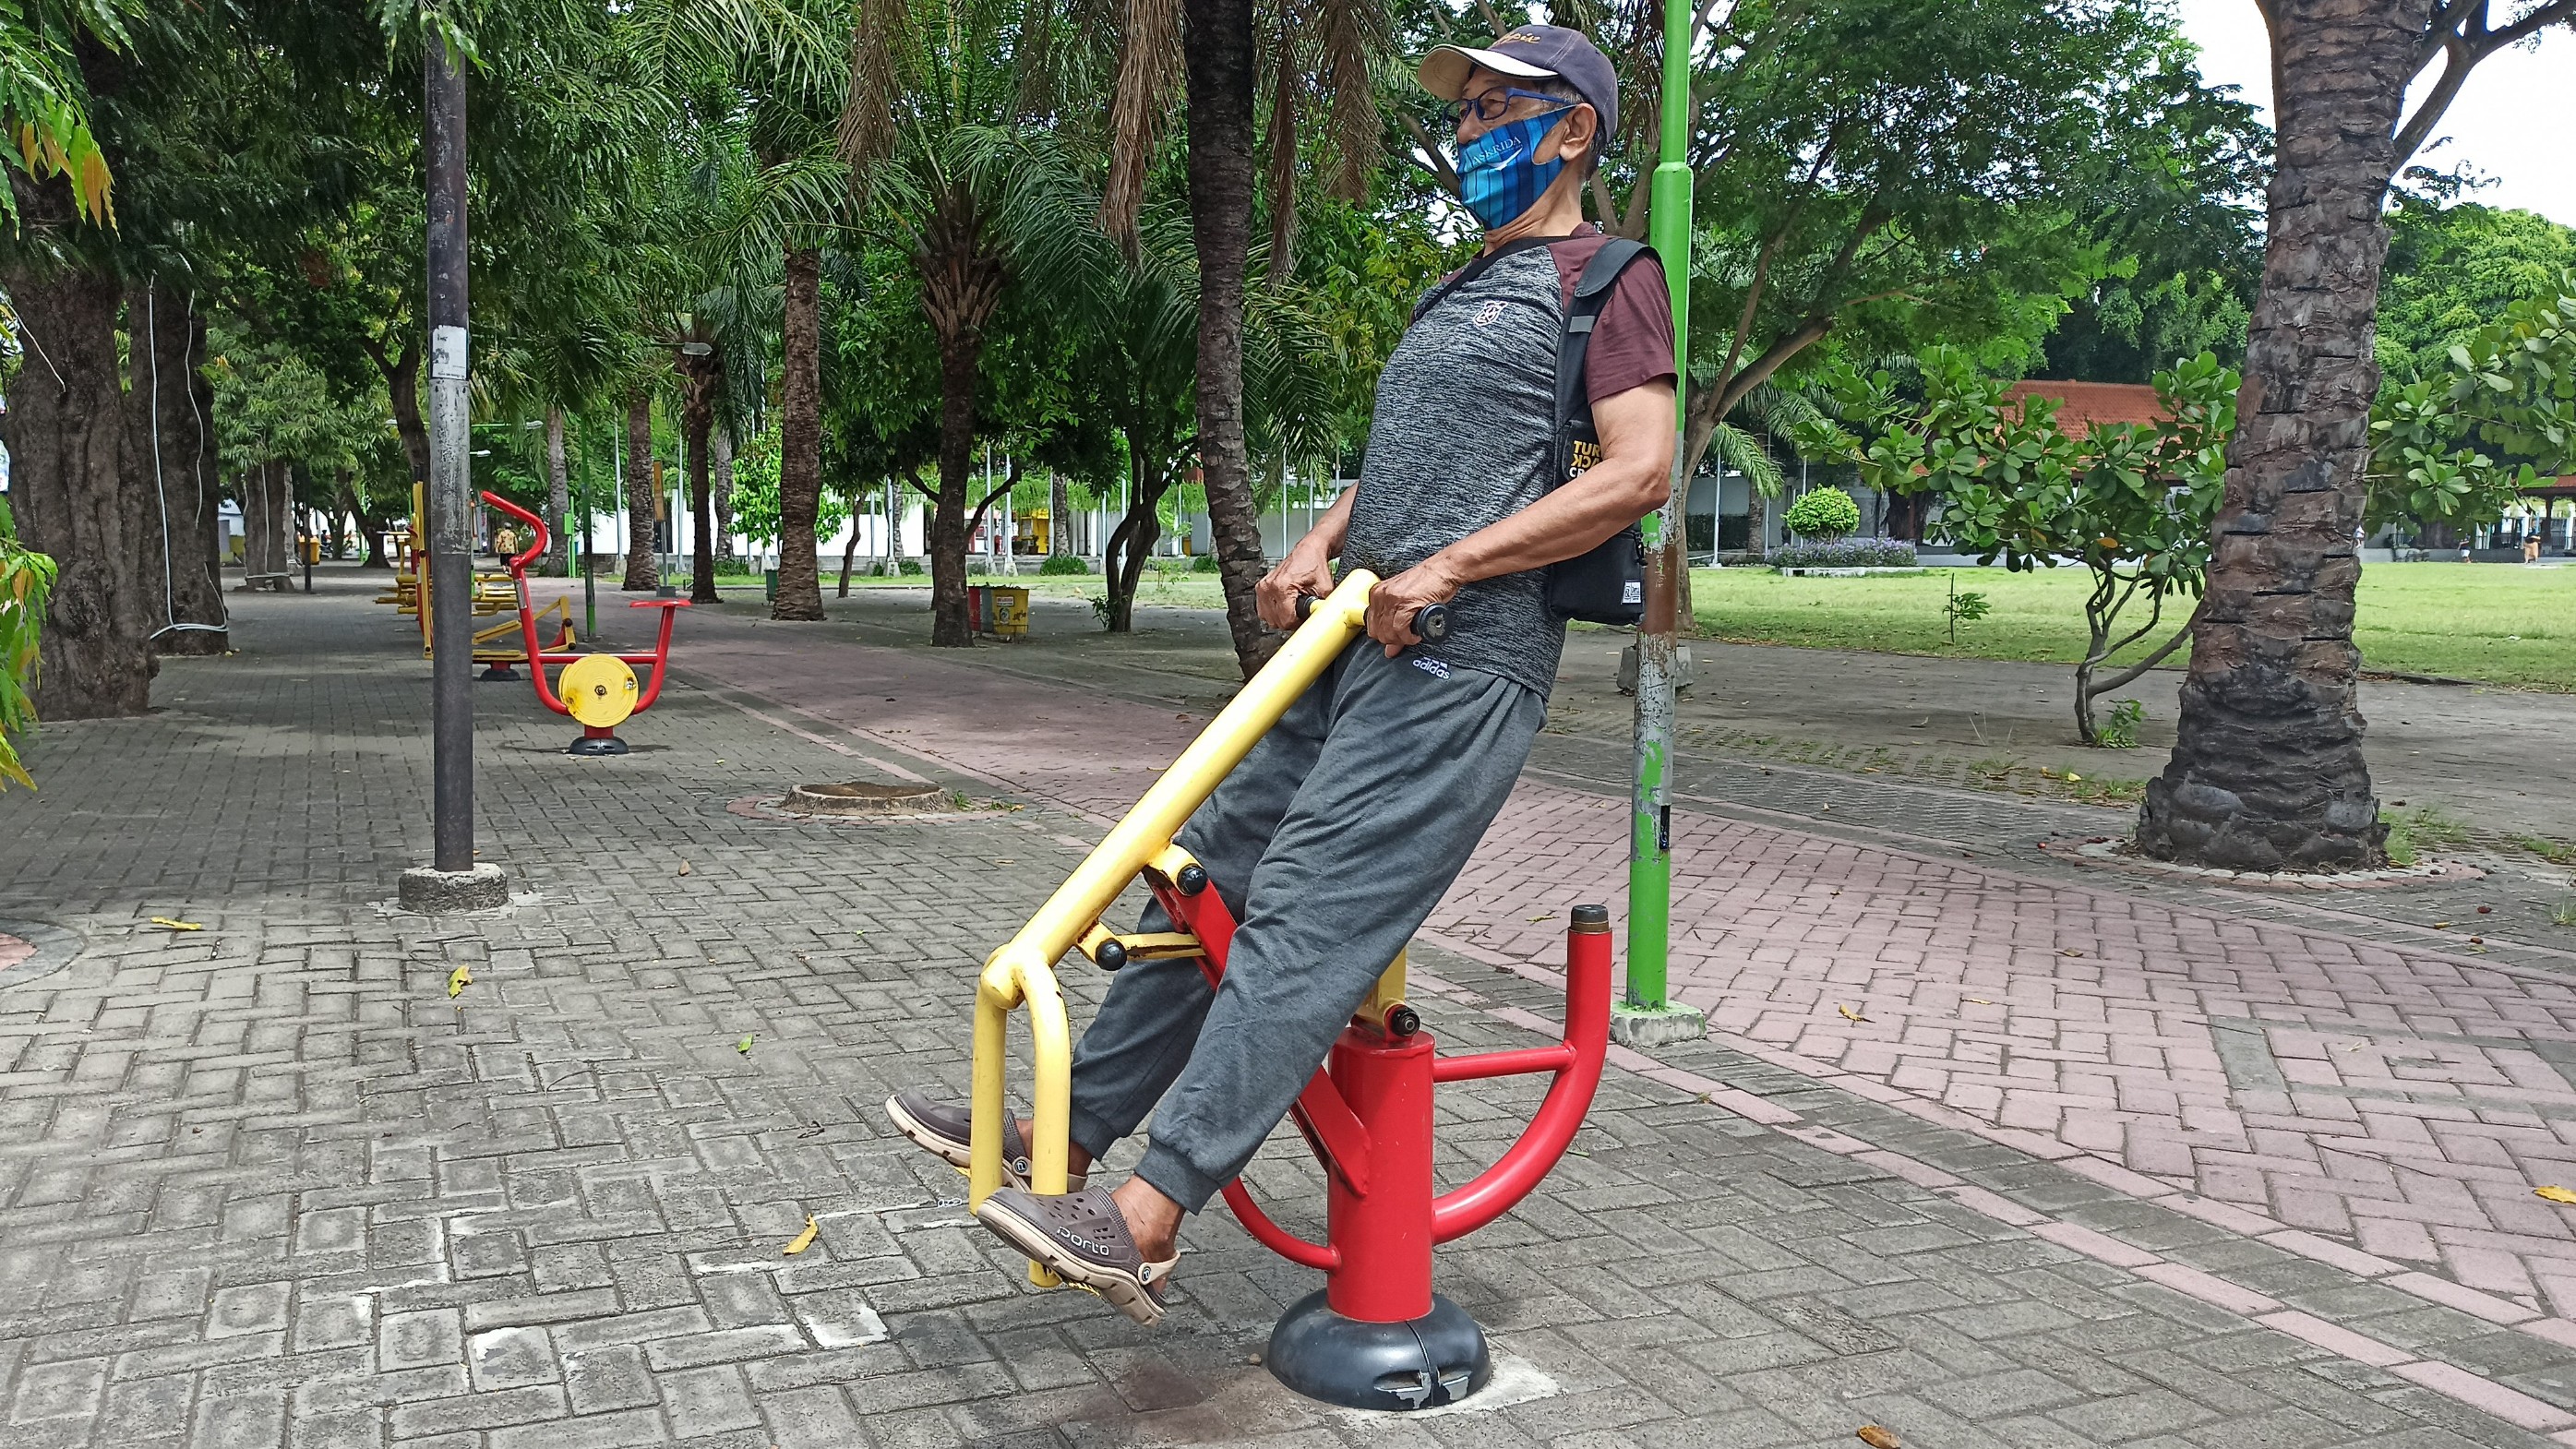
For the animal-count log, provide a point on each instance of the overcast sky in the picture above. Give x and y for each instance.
(2513, 122)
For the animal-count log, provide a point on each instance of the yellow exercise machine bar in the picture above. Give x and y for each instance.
(1022, 972)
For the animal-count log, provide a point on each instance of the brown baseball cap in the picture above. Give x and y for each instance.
(1530, 51)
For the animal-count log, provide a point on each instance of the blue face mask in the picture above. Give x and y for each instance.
(1498, 175)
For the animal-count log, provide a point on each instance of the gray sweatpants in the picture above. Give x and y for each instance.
(1330, 843)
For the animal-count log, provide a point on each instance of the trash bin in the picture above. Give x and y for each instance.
(312, 550)
(769, 585)
(1006, 611)
(975, 610)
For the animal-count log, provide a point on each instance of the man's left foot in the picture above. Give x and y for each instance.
(1084, 1238)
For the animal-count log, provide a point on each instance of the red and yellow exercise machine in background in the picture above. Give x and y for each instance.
(1376, 1336)
(597, 690)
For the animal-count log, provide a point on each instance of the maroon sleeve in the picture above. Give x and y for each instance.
(1632, 342)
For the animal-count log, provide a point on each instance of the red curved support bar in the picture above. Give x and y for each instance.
(1587, 1040)
(661, 649)
(1274, 1237)
(527, 616)
(659, 659)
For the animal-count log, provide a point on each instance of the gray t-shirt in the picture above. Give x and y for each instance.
(1461, 438)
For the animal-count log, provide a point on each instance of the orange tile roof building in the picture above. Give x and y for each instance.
(2082, 405)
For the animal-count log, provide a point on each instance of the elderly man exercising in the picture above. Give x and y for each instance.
(1337, 833)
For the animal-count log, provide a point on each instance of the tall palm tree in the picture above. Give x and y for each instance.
(2267, 771)
(1324, 46)
(948, 162)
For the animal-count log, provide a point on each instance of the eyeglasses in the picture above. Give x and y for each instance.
(1491, 106)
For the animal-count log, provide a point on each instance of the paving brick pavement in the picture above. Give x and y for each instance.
(2403, 1102)
(265, 1184)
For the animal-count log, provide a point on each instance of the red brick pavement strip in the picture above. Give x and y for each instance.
(2072, 1024)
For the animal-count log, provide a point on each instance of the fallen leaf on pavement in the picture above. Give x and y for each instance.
(1979, 1001)
(2441, 925)
(458, 980)
(2555, 1194)
(1848, 1013)
(176, 925)
(802, 1240)
(684, 867)
(1544, 916)
(1878, 1438)
(743, 1046)
(2069, 952)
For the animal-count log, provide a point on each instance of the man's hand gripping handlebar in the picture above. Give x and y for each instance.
(1430, 622)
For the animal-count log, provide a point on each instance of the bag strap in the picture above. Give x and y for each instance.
(1482, 263)
(1591, 294)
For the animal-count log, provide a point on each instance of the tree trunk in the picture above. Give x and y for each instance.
(800, 440)
(849, 554)
(63, 431)
(402, 387)
(169, 455)
(643, 494)
(558, 491)
(1216, 43)
(2267, 772)
(1131, 543)
(1059, 515)
(957, 359)
(722, 461)
(268, 523)
(698, 377)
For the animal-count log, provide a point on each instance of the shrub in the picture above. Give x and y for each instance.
(1823, 513)
(910, 566)
(1064, 563)
(1206, 564)
(1846, 553)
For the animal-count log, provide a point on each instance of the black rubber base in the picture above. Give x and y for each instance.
(502, 673)
(593, 745)
(1436, 1359)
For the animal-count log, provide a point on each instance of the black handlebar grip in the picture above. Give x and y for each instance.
(1430, 622)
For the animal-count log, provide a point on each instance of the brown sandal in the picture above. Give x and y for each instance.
(941, 1128)
(1084, 1238)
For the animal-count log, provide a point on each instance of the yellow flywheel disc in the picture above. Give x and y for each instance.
(599, 690)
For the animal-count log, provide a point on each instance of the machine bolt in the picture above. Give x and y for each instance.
(1192, 879)
(1402, 1020)
(1110, 956)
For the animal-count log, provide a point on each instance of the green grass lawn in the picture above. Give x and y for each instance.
(2496, 622)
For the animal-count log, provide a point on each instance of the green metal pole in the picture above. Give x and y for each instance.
(1647, 1015)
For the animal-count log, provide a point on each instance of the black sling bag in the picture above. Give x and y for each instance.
(1606, 585)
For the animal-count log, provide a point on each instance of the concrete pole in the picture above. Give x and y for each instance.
(454, 881)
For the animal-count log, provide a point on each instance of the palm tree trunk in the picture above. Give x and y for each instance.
(643, 497)
(1059, 514)
(2267, 772)
(720, 451)
(697, 420)
(64, 432)
(800, 439)
(1216, 44)
(558, 490)
(958, 355)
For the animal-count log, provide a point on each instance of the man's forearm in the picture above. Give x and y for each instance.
(1568, 522)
